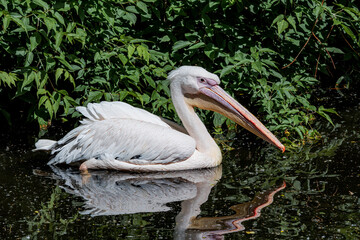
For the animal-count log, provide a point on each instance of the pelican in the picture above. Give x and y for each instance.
(115, 135)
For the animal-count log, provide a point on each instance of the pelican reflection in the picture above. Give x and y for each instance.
(114, 193)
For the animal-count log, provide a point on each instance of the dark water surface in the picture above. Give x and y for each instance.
(246, 197)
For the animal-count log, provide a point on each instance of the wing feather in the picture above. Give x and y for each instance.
(118, 110)
(119, 131)
(128, 140)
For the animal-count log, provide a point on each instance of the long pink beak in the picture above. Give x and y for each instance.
(240, 115)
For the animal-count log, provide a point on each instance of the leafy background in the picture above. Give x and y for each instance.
(271, 55)
(275, 57)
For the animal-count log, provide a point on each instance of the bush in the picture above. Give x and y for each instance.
(60, 54)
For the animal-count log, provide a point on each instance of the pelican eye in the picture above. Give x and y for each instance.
(202, 80)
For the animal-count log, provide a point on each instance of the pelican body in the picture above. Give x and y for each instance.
(115, 135)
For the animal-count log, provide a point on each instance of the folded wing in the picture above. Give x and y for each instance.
(118, 131)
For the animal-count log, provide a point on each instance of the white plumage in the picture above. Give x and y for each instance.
(115, 135)
(118, 131)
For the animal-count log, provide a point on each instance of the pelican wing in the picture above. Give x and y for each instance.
(118, 110)
(118, 131)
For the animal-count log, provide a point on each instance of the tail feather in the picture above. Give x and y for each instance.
(45, 144)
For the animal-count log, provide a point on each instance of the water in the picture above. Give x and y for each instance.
(246, 197)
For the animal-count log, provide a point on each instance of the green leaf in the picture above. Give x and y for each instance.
(70, 27)
(64, 62)
(349, 32)
(41, 91)
(282, 25)
(318, 10)
(43, 76)
(165, 38)
(50, 23)
(270, 63)
(143, 52)
(29, 79)
(355, 14)
(321, 111)
(142, 6)
(140, 97)
(197, 45)
(5, 4)
(21, 24)
(50, 63)
(130, 17)
(132, 8)
(59, 17)
(257, 66)
(35, 40)
(299, 132)
(211, 51)
(335, 50)
(58, 39)
(49, 108)
(303, 101)
(123, 58)
(277, 19)
(29, 59)
(42, 100)
(41, 3)
(292, 21)
(330, 110)
(71, 79)
(97, 56)
(218, 119)
(131, 50)
(56, 105)
(94, 96)
(58, 73)
(150, 81)
(67, 105)
(6, 22)
(226, 70)
(8, 78)
(180, 44)
(297, 185)
(63, 92)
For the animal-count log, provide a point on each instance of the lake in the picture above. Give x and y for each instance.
(257, 193)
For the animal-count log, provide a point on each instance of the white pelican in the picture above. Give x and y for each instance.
(115, 135)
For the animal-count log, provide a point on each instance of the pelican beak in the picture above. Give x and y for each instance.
(223, 103)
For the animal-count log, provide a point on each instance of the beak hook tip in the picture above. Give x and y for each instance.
(283, 149)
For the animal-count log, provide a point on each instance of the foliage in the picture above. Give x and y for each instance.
(47, 218)
(61, 54)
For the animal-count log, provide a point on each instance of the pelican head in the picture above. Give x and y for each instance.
(201, 89)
